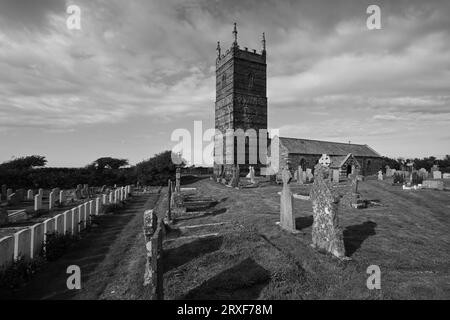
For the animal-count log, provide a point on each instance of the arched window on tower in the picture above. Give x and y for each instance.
(224, 80)
(251, 80)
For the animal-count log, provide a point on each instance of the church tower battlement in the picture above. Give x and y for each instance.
(241, 92)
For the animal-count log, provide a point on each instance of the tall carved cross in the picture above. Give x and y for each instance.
(286, 177)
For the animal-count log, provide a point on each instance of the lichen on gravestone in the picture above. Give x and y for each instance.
(326, 233)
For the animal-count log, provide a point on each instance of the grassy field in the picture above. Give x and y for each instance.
(235, 250)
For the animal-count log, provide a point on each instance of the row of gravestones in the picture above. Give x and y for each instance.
(326, 200)
(434, 173)
(55, 196)
(28, 241)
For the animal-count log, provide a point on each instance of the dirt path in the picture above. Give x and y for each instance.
(111, 258)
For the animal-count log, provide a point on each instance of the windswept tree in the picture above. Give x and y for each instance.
(156, 170)
(109, 163)
(24, 163)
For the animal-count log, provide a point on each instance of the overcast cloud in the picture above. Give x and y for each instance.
(139, 69)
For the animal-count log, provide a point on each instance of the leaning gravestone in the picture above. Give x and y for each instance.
(326, 233)
(287, 220)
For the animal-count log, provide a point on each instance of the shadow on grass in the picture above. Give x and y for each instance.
(303, 222)
(355, 235)
(243, 281)
(189, 179)
(178, 256)
(206, 214)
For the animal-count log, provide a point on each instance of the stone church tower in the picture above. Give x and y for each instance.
(241, 98)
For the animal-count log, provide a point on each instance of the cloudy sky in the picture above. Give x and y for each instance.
(139, 69)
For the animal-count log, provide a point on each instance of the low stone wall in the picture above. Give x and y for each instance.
(29, 241)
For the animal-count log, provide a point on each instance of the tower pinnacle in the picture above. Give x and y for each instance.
(218, 49)
(235, 44)
(263, 42)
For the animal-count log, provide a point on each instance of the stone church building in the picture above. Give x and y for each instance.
(241, 103)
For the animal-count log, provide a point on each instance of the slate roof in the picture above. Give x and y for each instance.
(316, 147)
(336, 162)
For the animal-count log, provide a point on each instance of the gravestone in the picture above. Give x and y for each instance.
(380, 175)
(41, 192)
(62, 198)
(78, 194)
(326, 232)
(435, 167)
(51, 201)
(300, 175)
(9, 192)
(336, 175)
(234, 182)
(388, 172)
(252, 174)
(30, 195)
(433, 184)
(3, 216)
(437, 174)
(38, 202)
(423, 173)
(354, 196)
(248, 174)
(446, 176)
(287, 220)
(309, 175)
(178, 180)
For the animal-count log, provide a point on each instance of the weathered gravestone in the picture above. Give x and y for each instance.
(437, 174)
(352, 198)
(326, 233)
(234, 182)
(78, 195)
(336, 175)
(30, 195)
(287, 220)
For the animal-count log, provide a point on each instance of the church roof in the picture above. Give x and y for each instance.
(316, 147)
